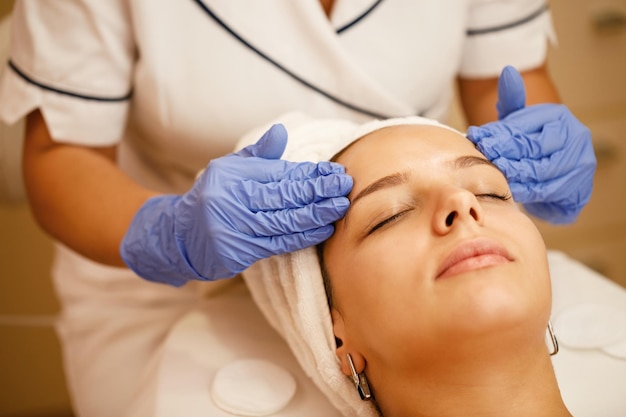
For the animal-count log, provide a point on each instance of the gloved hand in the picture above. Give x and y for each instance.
(545, 153)
(245, 206)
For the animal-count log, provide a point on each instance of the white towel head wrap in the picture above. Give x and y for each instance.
(289, 289)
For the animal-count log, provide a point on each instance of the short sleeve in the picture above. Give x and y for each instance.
(72, 59)
(506, 32)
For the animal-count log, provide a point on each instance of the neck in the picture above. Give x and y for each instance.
(513, 384)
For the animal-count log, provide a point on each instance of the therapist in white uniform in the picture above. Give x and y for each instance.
(127, 100)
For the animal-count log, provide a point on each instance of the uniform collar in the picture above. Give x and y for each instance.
(299, 40)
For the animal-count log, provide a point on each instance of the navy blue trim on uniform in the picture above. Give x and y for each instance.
(64, 92)
(358, 19)
(287, 71)
(473, 32)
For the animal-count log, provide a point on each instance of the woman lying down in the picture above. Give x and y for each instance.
(433, 297)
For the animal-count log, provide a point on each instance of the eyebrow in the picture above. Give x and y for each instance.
(470, 160)
(400, 178)
(392, 180)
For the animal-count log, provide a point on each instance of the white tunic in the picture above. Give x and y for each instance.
(176, 83)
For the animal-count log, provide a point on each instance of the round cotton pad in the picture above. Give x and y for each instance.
(589, 326)
(252, 387)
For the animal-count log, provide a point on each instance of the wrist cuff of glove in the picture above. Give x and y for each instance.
(150, 247)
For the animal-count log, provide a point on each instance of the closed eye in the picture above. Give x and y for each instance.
(495, 196)
(387, 221)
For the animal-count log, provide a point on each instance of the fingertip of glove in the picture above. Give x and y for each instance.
(509, 72)
(317, 236)
(277, 129)
(271, 145)
(327, 168)
(511, 92)
(342, 202)
(346, 183)
(329, 210)
(332, 209)
(511, 78)
(475, 133)
(339, 183)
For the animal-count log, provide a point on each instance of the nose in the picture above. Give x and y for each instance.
(456, 207)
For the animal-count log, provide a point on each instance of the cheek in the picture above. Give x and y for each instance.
(371, 280)
(535, 256)
(525, 237)
(389, 261)
(531, 273)
(382, 291)
(515, 226)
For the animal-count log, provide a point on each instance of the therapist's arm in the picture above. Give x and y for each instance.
(77, 194)
(479, 96)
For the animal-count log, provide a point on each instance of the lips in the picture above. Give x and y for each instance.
(473, 255)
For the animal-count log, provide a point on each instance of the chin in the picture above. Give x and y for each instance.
(496, 298)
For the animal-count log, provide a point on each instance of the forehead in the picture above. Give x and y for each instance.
(392, 147)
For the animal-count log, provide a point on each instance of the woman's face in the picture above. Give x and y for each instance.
(433, 253)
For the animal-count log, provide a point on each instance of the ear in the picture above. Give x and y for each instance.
(345, 346)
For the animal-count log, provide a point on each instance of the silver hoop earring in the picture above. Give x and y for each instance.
(555, 343)
(360, 381)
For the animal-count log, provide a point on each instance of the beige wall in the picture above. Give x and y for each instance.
(5, 7)
(31, 376)
(589, 67)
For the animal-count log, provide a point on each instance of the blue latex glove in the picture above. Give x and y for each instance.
(245, 206)
(545, 153)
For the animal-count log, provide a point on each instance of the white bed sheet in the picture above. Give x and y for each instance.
(226, 328)
(230, 327)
